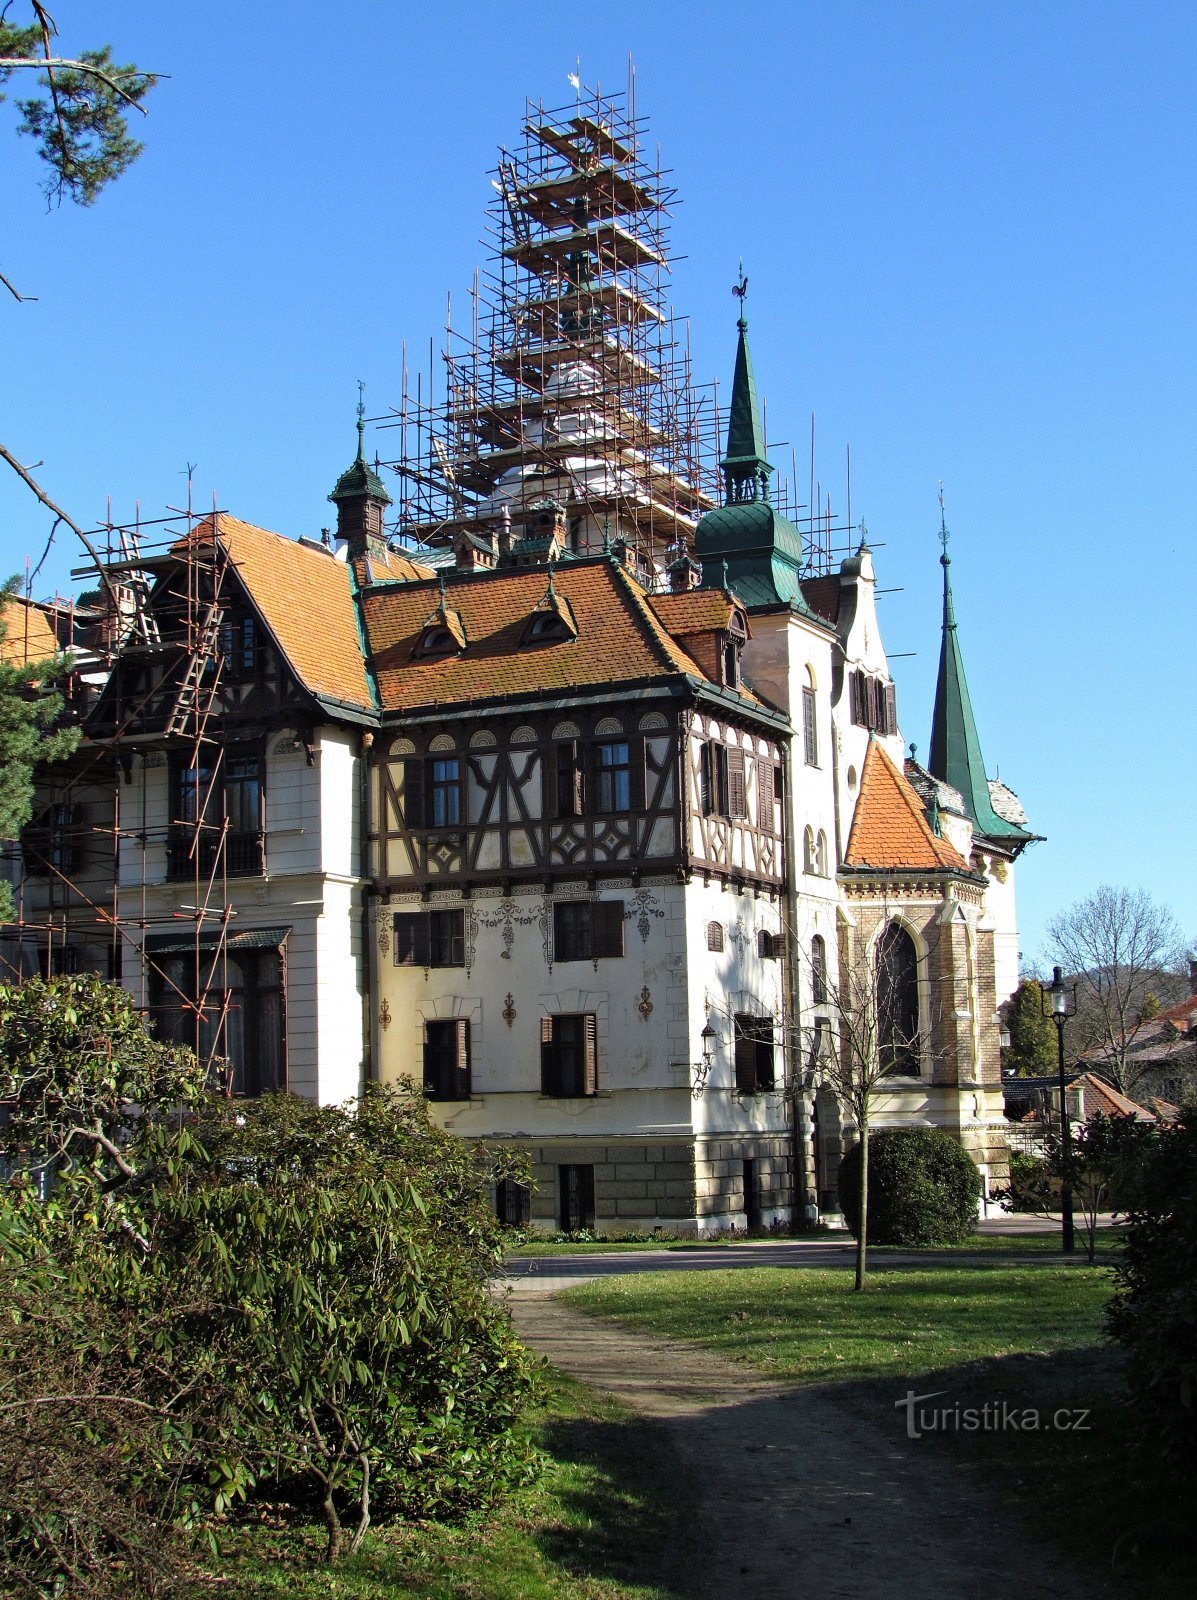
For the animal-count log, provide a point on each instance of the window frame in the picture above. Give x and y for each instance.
(754, 1060)
(569, 1055)
(447, 1063)
(587, 930)
(417, 937)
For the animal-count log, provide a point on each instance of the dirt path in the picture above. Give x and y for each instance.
(805, 1499)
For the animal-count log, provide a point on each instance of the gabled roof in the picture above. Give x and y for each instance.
(620, 638)
(29, 632)
(889, 832)
(304, 596)
(695, 611)
(1102, 1099)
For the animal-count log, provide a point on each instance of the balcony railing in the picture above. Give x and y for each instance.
(244, 857)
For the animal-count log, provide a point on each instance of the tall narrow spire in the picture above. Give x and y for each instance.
(955, 747)
(746, 472)
(360, 497)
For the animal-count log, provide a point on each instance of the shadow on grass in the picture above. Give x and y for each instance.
(631, 1506)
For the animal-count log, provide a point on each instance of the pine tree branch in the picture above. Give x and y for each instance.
(31, 482)
(47, 63)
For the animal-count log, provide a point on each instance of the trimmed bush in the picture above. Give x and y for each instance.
(923, 1188)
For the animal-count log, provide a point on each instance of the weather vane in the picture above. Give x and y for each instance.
(740, 288)
(361, 401)
(943, 525)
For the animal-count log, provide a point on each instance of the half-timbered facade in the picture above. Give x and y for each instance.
(580, 855)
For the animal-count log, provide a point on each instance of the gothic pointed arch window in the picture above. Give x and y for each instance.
(818, 970)
(897, 980)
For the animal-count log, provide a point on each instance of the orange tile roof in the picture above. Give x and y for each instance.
(389, 566)
(890, 831)
(304, 597)
(29, 633)
(620, 638)
(695, 611)
(1109, 1102)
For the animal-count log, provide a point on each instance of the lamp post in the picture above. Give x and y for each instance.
(1060, 1013)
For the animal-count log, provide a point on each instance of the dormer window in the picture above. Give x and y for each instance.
(733, 643)
(547, 627)
(442, 635)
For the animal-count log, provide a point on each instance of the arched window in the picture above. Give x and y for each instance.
(818, 970)
(821, 863)
(897, 977)
(810, 731)
(808, 850)
(714, 936)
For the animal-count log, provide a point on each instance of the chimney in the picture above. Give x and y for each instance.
(1192, 975)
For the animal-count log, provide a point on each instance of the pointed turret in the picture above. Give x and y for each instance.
(746, 472)
(747, 540)
(955, 748)
(361, 500)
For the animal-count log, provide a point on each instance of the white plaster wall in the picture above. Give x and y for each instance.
(1000, 913)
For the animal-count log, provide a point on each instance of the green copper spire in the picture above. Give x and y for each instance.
(360, 480)
(746, 472)
(955, 748)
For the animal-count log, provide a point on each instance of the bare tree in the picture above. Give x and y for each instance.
(1120, 947)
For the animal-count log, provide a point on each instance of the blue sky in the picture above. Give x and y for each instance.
(970, 237)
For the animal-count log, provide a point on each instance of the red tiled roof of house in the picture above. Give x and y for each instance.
(1102, 1099)
(388, 566)
(303, 595)
(890, 831)
(620, 638)
(29, 634)
(694, 611)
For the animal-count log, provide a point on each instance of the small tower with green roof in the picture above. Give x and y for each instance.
(361, 500)
(955, 747)
(747, 537)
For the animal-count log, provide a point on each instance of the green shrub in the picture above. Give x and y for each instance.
(1153, 1313)
(1031, 1184)
(923, 1188)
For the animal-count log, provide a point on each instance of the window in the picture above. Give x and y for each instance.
(228, 1006)
(723, 791)
(445, 792)
(429, 938)
(203, 798)
(714, 936)
(239, 647)
(576, 1198)
(810, 732)
(584, 930)
(569, 1055)
(513, 1203)
(897, 978)
(818, 970)
(808, 849)
(432, 792)
(822, 867)
(447, 1060)
(769, 946)
(872, 703)
(613, 777)
(53, 843)
(754, 1053)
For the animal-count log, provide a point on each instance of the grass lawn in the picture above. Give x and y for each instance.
(612, 1518)
(996, 1333)
(976, 1244)
(806, 1324)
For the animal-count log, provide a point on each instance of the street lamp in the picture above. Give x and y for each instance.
(1060, 1012)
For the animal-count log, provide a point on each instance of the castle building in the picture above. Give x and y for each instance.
(586, 807)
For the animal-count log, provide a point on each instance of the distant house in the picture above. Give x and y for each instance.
(1162, 1051)
(1033, 1107)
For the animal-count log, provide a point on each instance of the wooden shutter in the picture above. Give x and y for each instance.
(606, 938)
(461, 1076)
(413, 793)
(736, 798)
(431, 1087)
(764, 792)
(636, 775)
(891, 709)
(706, 778)
(745, 1056)
(411, 939)
(567, 795)
(590, 1059)
(549, 1076)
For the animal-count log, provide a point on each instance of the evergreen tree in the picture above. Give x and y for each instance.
(78, 116)
(1032, 1051)
(29, 710)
